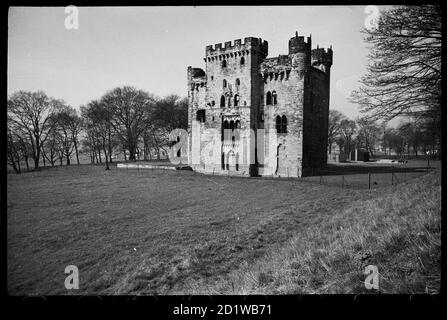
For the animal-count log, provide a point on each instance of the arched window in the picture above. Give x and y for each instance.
(236, 100)
(284, 124)
(274, 97)
(225, 83)
(278, 124)
(268, 99)
(224, 63)
(238, 82)
(222, 101)
(242, 61)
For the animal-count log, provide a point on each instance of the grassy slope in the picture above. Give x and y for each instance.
(150, 232)
(399, 232)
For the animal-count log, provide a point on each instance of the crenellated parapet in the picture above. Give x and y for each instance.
(297, 44)
(321, 56)
(237, 48)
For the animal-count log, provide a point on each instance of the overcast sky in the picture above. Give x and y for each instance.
(151, 47)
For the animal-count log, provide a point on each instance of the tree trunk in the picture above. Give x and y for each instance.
(110, 145)
(158, 153)
(14, 167)
(67, 156)
(37, 158)
(144, 149)
(131, 152)
(12, 160)
(36, 162)
(26, 162)
(105, 152)
(18, 165)
(43, 158)
(76, 150)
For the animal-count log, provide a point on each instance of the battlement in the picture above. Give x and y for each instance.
(249, 43)
(322, 56)
(297, 44)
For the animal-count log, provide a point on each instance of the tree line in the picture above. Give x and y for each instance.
(370, 135)
(45, 130)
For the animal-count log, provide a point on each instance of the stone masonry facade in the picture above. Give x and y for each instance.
(258, 116)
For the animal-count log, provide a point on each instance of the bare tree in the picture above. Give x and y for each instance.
(75, 128)
(335, 118)
(368, 134)
(170, 112)
(28, 113)
(167, 114)
(412, 135)
(66, 123)
(50, 149)
(13, 152)
(404, 75)
(128, 110)
(347, 132)
(97, 119)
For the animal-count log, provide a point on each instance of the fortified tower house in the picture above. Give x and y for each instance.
(228, 100)
(241, 88)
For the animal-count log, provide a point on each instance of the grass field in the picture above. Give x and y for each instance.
(398, 232)
(155, 232)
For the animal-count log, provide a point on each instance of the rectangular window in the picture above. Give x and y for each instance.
(201, 115)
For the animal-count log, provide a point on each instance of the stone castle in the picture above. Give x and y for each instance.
(282, 102)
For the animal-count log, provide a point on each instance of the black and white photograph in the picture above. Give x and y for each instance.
(223, 150)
